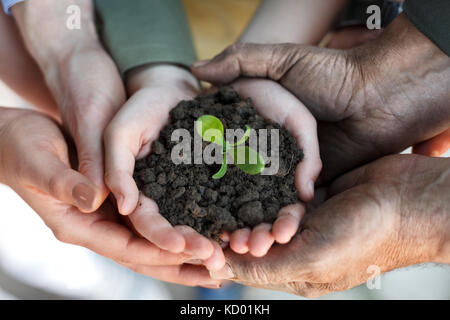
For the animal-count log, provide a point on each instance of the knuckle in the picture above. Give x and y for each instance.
(284, 57)
(110, 179)
(233, 49)
(56, 184)
(87, 163)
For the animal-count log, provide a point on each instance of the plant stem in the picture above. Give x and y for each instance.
(223, 168)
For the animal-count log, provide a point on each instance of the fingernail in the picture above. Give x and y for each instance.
(194, 261)
(120, 202)
(83, 196)
(201, 63)
(223, 274)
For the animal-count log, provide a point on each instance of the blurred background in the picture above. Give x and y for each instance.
(34, 265)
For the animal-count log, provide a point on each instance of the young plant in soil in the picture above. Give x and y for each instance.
(186, 194)
(247, 159)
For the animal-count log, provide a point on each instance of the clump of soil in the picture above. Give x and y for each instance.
(187, 194)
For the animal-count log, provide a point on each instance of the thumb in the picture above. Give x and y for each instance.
(91, 160)
(321, 78)
(282, 264)
(250, 60)
(50, 175)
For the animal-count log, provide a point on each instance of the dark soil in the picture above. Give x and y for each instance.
(187, 194)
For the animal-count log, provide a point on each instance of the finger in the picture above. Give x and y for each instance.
(90, 159)
(217, 259)
(303, 128)
(292, 259)
(239, 240)
(196, 245)
(250, 60)
(187, 275)
(287, 223)
(114, 241)
(127, 140)
(434, 147)
(45, 171)
(124, 247)
(155, 228)
(119, 167)
(261, 239)
(225, 237)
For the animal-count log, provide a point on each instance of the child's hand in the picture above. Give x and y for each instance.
(154, 91)
(274, 102)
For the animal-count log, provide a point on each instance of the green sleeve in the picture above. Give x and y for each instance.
(432, 18)
(138, 32)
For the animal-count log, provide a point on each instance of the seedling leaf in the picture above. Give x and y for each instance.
(248, 160)
(210, 128)
(244, 137)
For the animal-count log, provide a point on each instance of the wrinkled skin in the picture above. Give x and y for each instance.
(369, 100)
(391, 213)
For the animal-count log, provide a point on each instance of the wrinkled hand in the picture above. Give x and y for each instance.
(392, 213)
(81, 76)
(34, 162)
(370, 101)
(350, 37)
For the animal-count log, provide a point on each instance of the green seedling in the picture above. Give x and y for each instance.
(211, 130)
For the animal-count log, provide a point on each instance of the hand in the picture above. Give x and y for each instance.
(349, 37)
(274, 102)
(34, 162)
(369, 100)
(392, 213)
(154, 90)
(21, 74)
(81, 76)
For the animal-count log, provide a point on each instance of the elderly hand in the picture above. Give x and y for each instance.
(34, 162)
(392, 213)
(370, 101)
(81, 76)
